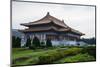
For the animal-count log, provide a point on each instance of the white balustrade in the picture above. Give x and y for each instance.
(64, 43)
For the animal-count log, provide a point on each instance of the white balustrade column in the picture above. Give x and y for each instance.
(23, 40)
(44, 36)
(41, 35)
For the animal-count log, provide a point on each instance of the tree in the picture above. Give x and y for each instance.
(89, 40)
(48, 43)
(13, 41)
(28, 42)
(36, 42)
(16, 42)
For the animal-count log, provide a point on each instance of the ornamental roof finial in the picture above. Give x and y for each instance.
(48, 13)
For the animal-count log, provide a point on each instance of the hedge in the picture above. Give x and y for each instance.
(91, 50)
(60, 53)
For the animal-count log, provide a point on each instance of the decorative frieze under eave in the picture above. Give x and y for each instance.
(46, 29)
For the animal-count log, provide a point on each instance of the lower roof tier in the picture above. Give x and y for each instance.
(50, 30)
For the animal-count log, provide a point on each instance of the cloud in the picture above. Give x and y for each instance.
(81, 18)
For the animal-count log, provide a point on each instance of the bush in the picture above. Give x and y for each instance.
(28, 42)
(48, 43)
(36, 42)
(43, 44)
(60, 53)
(77, 58)
(16, 42)
(91, 50)
(13, 41)
(49, 58)
(45, 59)
(32, 47)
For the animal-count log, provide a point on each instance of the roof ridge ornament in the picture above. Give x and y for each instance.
(48, 13)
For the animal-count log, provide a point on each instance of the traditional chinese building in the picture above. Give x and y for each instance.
(51, 28)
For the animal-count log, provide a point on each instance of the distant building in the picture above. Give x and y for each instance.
(51, 28)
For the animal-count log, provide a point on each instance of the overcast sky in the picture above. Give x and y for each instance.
(81, 18)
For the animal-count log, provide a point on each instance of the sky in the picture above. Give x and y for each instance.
(81, 18)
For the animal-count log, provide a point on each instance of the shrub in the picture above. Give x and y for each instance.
(13, 41)
(45, 59)
(60, 53)
(91, 50)
(32, 47)
(43, 44)
(48, 43)
(36, 42)
(49, 58)
(16, 42)
(28, 42)
(77, 58)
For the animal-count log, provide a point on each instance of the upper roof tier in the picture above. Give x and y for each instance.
(47, 19)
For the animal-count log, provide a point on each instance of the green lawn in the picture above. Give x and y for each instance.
(23, 56)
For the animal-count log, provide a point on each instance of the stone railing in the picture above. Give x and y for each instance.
(64, 43)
